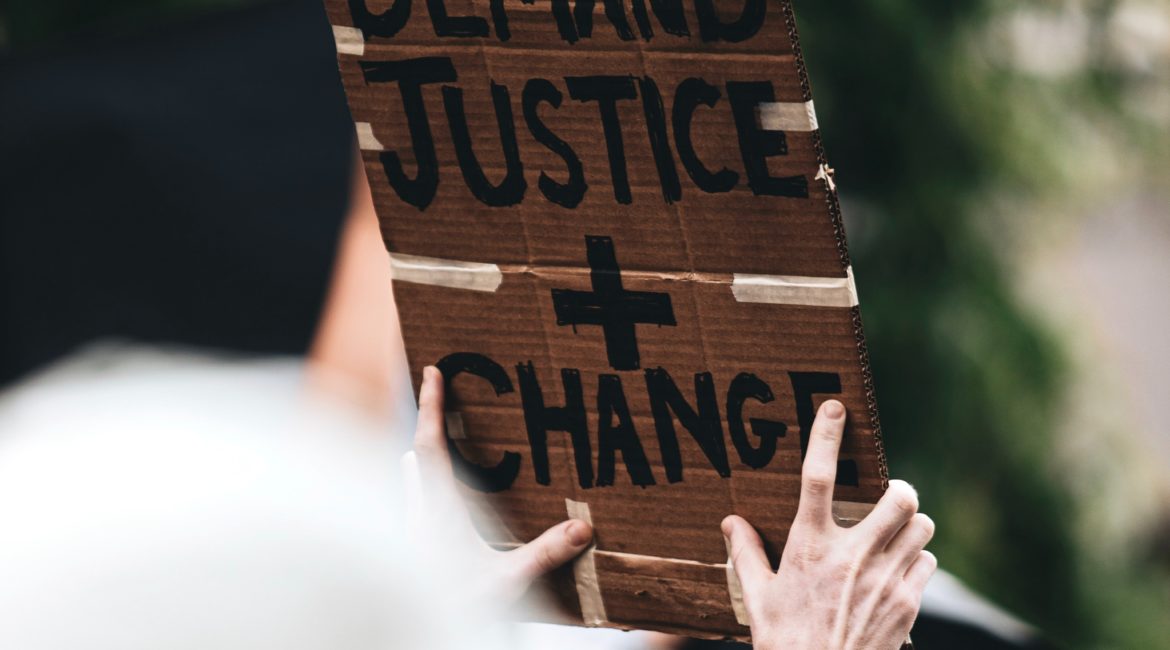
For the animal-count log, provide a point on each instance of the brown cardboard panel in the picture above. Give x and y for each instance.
(647, 351)
(648, 593)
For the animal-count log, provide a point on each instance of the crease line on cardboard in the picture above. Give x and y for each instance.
(788, 116)
(454, 274)
(585, 572)
(795, 290)
(350, 40)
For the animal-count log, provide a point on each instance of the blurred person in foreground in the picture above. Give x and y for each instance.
(156, 499)
(182, 189)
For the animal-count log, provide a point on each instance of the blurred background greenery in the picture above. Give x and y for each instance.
(977, 145)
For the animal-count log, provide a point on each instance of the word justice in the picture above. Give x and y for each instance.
(756, 144)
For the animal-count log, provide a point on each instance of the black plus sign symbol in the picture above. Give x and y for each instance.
(609, 305)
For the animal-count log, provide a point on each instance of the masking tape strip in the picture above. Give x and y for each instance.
(795, 290)
(788, 116)
(367, 141)
(734, 589)
(825, 173)
(585, 572)
(850, 513)
(455, 429)
(349, 40)
(475, 276)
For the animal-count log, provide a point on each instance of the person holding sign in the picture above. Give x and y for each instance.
(842, 588)
(855, 588)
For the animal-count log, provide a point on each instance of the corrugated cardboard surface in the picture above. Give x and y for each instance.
(660, 557)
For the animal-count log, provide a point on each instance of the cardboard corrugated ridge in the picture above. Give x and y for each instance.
(625, 252)
(843, 248)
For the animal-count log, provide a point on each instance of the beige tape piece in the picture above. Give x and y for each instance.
(735, 590)
(825, 173)
(788, 116)
(795, 290)
(349, 40)
(850, 513)
(367, 141)
(455, 429)
(474, 276)
(585, 572)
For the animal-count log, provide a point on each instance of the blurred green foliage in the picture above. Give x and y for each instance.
(969, 384)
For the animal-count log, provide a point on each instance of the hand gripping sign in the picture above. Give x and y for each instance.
(613, 229)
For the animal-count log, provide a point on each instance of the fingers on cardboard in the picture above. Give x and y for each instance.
(893, 511)
(819, 472)
(430, 442)
(745, 551)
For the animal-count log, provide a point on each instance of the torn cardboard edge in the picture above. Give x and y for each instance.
(833, 204)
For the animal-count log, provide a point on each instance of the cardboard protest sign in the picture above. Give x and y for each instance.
(613, 228)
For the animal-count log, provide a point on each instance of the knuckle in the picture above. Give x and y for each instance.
(818, 487)
(931, 561)
(431, 459)
(902, 498)
(905, 618)
(818, 481)
(889, 591)
(907, 600)
(424, 450)
(828, 431)
(737, 551)
(759, 606)
(904, 505)
(844, 572)
(808, 554)
(427, 446)
(855, 564)
(925, 526)
(544, 559)
(832, 566)
(430, 399)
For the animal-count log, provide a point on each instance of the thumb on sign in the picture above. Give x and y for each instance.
(438, 518)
